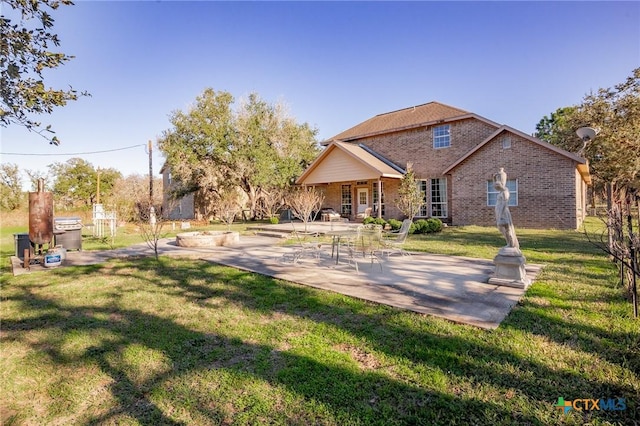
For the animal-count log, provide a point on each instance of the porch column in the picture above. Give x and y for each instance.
(379, 198)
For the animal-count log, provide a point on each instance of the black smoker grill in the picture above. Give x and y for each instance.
(67, 232)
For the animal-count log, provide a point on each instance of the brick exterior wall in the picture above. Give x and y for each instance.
(333, 196)
(546, 185)
(548, 194)
(416, 146)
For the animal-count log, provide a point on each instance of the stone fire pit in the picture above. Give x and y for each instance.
(207, 238)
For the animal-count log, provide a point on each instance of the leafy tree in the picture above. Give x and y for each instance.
(256, 148)
(409, 197)
(272, 149)
(35, 175)
(198, 147)
(75, 182)
(24, 55)
(555, 129)
(11, 196)
(614, 161)
(614, 155)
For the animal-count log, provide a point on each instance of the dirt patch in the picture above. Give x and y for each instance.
(366, 360)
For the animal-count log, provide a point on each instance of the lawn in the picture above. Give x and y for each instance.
(188, 342)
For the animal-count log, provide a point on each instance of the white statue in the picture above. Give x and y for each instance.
(510, 263)
(503, 215)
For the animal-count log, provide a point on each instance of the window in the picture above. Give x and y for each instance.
(362, 198)
(492, 193)
(439, 197)
(374, 191)
(435, 201)
(506, 143)
(442, 136)
(422, 187)
(345, 208)
(169, 178)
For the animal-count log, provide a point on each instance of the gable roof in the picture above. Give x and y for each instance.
(407, 118)
(341, 162)
(582, 164)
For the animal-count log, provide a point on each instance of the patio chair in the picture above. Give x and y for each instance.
(394, 241)
(365, 243)
(364, 214)
(307, 245)
(328, 214)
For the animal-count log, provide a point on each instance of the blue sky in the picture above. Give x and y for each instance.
(334, 64)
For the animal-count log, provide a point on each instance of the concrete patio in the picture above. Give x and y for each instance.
(449, 287)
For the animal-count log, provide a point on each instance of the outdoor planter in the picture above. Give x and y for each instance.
(207, 238)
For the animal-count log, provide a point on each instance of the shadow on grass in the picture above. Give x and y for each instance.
(348, 393)
(365, 397)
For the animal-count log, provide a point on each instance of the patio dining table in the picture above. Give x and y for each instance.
(337, 237)
(343, 235)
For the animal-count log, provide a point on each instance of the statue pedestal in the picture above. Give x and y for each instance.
(510, 270)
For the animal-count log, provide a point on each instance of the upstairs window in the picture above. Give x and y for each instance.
(442, 136)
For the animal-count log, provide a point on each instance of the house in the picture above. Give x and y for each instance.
(454, 154)
(178, 209)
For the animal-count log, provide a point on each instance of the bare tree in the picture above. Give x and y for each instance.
(150, 222)
(271, 201)
(228, 206)
(304, 202)
(151, 229)
(129, 197)
(621, 241)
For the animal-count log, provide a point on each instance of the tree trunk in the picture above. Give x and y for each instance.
(632, 254)
(610, 214)
(252, 194)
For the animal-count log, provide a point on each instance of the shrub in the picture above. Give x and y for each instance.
(421, 226)
(380, 221)
(274, 220)
(426, 226)
(434, 225)
(368, 220)
(413, 228)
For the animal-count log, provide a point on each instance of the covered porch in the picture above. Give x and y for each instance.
(357, 182)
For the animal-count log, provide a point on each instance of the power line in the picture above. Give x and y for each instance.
(74, 153)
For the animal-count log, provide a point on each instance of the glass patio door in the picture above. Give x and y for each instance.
(363, 199)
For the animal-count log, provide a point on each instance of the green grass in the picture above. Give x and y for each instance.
(188, 342)
(126, 236)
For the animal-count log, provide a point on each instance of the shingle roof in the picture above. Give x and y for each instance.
(402, 119)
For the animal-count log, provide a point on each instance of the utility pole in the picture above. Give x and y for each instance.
(152, 210)
(150, 176)
(98, 189)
